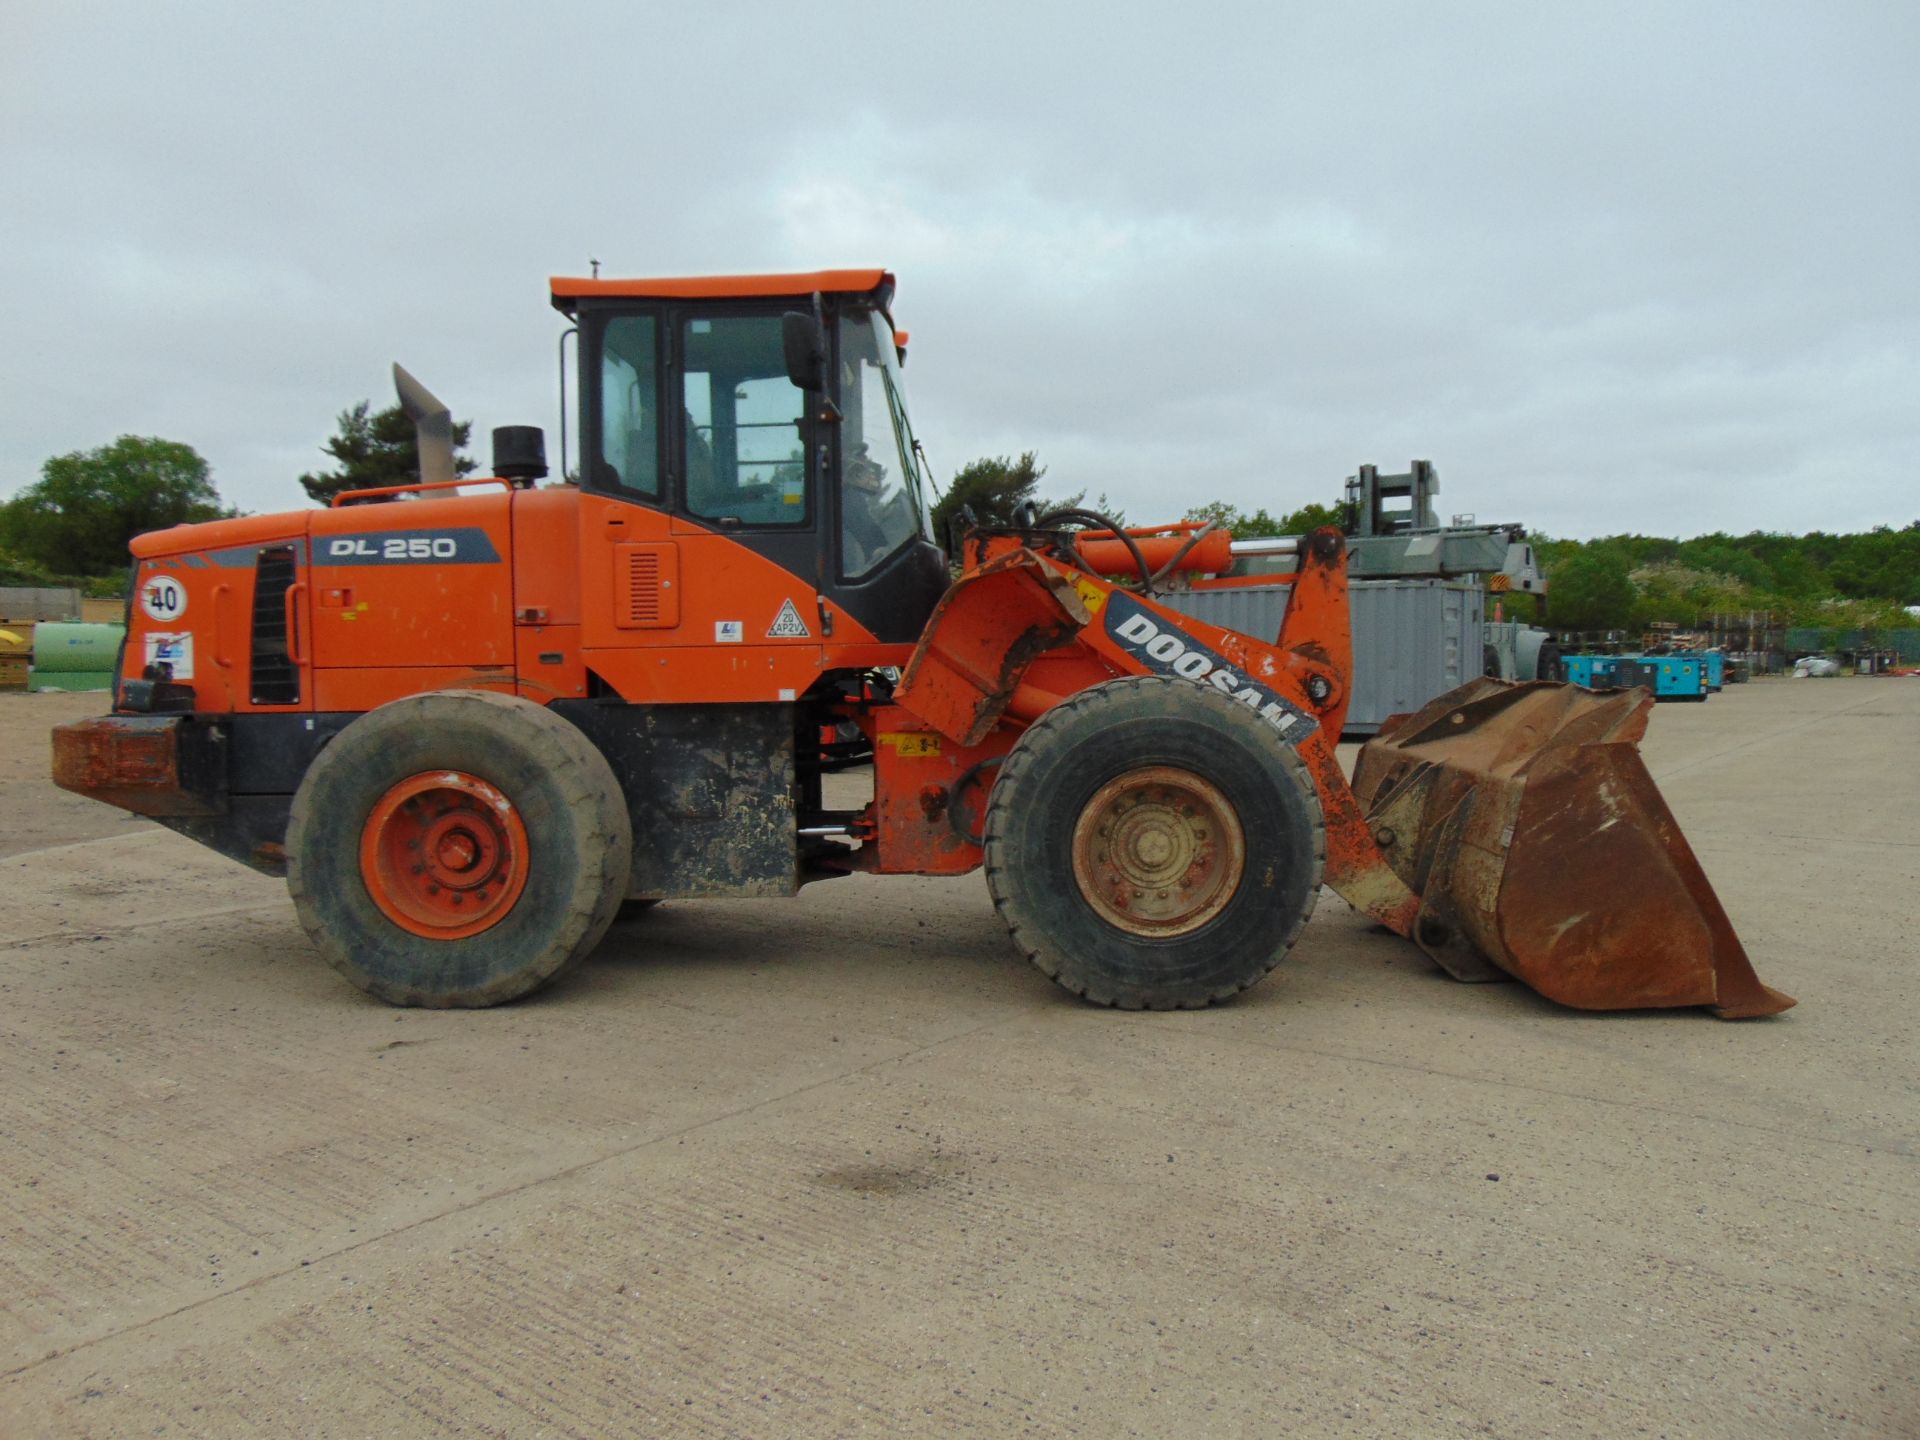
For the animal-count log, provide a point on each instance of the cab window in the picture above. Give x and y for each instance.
(629, 407)
(740, 423)
(881, 503)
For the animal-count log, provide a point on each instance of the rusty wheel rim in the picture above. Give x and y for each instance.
(1158, 851)
(444, 855)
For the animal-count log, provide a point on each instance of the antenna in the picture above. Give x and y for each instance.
(596, 266)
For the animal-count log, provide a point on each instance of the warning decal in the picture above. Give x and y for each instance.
(910, 744)
(175, 651)
(788, 625)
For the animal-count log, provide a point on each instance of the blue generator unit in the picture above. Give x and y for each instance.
(1595, 672)
(1675, 677)
(1669, 677)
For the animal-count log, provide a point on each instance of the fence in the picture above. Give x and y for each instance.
(1812, 640)
(39, 602)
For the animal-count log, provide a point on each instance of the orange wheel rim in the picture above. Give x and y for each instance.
(1158, 852)
(444, 855)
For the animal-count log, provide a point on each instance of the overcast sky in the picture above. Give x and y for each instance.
(1609, 266)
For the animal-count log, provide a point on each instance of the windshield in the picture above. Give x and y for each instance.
(882, 497)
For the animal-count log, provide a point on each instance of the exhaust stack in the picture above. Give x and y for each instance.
(432, 426)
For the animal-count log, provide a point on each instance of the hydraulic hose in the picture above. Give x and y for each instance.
(1094, 520)
(1181, 554)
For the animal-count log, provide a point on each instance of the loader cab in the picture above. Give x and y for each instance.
(691, 406)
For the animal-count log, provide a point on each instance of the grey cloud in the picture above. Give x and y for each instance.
(1635, 267)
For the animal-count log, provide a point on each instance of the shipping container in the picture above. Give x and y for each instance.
(1412, 639)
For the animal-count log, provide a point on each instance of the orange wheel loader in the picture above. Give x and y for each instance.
(470, 727)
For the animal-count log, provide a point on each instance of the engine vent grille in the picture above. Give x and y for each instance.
(646, 579)
(643, 588)
(276, 679)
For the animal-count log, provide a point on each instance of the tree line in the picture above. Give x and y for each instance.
(1618, 582)
(73, 525)
(1624, 582)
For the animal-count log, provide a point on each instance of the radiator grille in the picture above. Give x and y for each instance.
(276, 679)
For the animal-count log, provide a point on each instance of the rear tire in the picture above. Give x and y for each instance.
(457, 849)
(1154, 845)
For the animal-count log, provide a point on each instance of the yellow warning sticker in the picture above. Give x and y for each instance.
(1091, 595)
(911, 744)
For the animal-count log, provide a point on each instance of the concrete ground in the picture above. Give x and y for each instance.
(844, 1165)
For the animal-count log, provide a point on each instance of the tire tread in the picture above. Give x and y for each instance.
(1030, 940)
(585, 787)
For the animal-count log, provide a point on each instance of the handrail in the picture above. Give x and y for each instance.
(220, 593)
(344, 496)
(291, 600)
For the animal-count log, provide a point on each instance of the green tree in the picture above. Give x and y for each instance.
(15, 571)
(992, 488)
(1243, 524)
(1714, 554)
(1314, 517)
(1589, 591)
(1818, 580)
(378, 449)
(78, 517)
(1248, 525)
(1099, 505)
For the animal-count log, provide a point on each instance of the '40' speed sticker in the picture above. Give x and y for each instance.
(163, 598)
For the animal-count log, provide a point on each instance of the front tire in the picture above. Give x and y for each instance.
(457, 849)
(1152, 844)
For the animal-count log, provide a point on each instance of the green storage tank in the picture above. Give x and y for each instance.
(72, 656)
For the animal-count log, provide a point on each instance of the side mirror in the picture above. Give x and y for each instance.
(803, 341)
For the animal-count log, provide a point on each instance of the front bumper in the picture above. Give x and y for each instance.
(172, 765)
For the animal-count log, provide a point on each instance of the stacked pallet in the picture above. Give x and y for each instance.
(22, 607)
(16, 653)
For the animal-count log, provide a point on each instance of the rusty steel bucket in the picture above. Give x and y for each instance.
(1525, 820)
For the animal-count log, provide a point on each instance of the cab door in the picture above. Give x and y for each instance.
(629, 564)
(701, 530)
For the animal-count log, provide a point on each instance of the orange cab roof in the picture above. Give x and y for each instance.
(703, 287)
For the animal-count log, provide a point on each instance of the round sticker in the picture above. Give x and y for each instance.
(163, 597)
